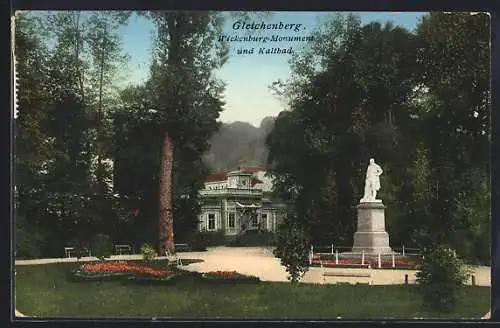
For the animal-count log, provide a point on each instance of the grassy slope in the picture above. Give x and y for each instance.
(43, 290)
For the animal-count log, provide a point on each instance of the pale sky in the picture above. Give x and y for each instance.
(247, 95)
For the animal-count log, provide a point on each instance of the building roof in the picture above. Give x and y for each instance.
(221, 176)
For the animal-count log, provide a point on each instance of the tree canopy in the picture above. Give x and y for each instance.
(418, 102)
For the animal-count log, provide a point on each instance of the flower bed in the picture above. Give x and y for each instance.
(228, 276)
(401, 263)
(114, 270)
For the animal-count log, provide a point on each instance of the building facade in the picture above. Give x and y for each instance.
(239, 201)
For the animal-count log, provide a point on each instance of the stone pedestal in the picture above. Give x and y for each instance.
(371, 236)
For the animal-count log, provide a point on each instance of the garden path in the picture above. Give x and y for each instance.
(260, 261)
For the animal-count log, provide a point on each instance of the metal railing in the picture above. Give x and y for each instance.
(332, 249)
(231, 191)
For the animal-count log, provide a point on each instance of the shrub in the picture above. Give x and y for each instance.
(440, 277)
(101, 246)
(229, 277)
(255, 238)
(293, 247)
(29, 242)
(148, 252)
(199, 241)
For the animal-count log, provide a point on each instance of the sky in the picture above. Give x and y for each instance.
(247, 76)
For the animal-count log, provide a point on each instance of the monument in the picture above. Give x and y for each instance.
(371, 237)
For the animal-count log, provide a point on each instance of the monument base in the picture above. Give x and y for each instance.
(371, 242)
(371, 237)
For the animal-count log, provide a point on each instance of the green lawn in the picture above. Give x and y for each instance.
(43, 290)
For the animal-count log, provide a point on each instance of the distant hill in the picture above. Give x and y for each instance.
(239, 143)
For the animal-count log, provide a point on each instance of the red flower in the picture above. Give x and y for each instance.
(385, 263)
(123, 267)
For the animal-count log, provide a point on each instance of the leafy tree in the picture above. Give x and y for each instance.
(293, 248)
(456, 118)
(32, 149)
(57, 99)
(419, 208)
(441, 277)
(379, 90)
(345, 108)
(186, 95)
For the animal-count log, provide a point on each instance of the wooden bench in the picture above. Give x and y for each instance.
(173, 258)
(347, 277)
(123, 248)
(181, 247)
(68, 250)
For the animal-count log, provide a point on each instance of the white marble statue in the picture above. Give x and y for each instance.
(372, 182)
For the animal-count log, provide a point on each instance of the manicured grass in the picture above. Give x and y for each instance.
(43, 290)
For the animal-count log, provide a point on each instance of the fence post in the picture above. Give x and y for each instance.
(332, 249)
(406, 279)
(393, 261)
(379, 261)
(363, 257)
(403, 250)
(336, 256)
(473, 280)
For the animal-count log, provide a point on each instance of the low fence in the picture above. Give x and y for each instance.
(331, 249)
(335, 252)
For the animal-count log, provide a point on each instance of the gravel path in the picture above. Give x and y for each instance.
(261, 262)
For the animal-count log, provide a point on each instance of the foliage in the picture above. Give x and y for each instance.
(55, 129)
(28, 243)
(228, 277)
(378, 90)
(441, 276)
(148, 252)
(456, 118)
(293, 248)
(254, 238)
(357, 91)
(200, 240)
(101, 246)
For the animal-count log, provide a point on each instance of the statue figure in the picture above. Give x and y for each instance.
(372, 182)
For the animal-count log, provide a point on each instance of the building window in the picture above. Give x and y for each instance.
(211, 221)
(231, 220)
(264, 220)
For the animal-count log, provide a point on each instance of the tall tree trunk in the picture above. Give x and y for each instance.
(166, 223)
(78, 36)
(100, 114)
